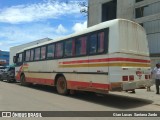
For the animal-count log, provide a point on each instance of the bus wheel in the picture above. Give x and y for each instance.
(62, 86)
(23, 80)
(8, 80)
(1, 79)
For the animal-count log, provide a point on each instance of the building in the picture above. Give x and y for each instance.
(145, 12)
(4, 58)
(15, 49)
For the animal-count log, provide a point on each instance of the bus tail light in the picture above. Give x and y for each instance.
(131, 77)
(125, 78)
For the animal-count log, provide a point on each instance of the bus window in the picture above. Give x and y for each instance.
(59, 50)
(101, 42)
(20, 58)
(32, 55)
(96, 43)
(50, 51)
(27, 58)
(93, 44)
(37, 54)
(81, 46)
(43, 53)
(69, 48)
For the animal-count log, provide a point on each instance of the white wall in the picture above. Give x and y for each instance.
(125, 9)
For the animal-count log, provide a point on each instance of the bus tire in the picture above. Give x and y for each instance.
(61, 85)
(1, 79)
(8, 80)
(23, 80)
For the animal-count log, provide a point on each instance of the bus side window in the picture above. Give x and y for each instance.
(96, 42)
(37, 54)
(27, 58)
(59, 50)
(69, 48)
(20, 58)
(81, 44)
(43, 53)
(101, 42)
(50, 51)
(32, 55)
(93, 44)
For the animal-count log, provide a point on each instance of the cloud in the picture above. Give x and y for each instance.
(17, 35)
(37, 12)
(60, 29)
(79, 26)
(13, 35)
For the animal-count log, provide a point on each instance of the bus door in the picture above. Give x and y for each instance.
(19, 65)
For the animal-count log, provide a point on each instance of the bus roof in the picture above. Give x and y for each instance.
(87, 30)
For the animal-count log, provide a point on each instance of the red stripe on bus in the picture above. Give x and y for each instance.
(42, 81)
(83, 85)
(106, 60)
(18, 76)
(70, 84)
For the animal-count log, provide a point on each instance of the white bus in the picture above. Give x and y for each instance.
(110, 56)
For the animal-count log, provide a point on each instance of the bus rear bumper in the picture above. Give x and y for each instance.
(122, 86)
(137, 84)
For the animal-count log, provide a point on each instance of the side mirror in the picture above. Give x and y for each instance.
(14, 59)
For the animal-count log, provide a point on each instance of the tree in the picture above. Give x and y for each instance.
(82, 3)
(84, 7)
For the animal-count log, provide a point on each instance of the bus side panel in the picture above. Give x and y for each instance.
(41, 72)
(87, 73)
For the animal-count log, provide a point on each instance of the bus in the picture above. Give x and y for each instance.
(110, 56)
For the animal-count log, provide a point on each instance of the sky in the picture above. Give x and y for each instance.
(23, 21)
